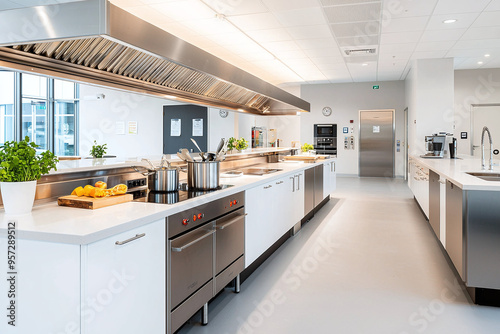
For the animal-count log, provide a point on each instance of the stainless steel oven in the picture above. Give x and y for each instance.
(325, 138)
(205, 253)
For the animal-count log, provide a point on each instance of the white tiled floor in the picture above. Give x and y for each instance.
(366, 263)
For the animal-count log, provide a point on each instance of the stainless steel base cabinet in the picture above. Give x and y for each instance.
(455, 244)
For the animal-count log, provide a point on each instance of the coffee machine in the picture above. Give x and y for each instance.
(435, 146)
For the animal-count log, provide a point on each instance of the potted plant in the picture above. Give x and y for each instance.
(98, 151)
(20, 168)
(237, 144)
(306, 147)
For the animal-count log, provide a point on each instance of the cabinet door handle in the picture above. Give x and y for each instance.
(137, 236)
(231, 222)
(183, 247)
(298, 182)
(293, 184)
(442, 181)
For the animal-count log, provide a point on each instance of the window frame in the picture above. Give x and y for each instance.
(50, 102)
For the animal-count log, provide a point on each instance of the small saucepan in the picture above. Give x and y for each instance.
(162, 178)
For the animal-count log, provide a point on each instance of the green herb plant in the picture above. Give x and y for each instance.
(306, 147)
(238, 144)
(19, 161)
(98, 151)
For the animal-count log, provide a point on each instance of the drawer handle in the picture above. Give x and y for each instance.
(183, 247)
(137, 236)
(269, 186)
(231, 222)
(279, 182)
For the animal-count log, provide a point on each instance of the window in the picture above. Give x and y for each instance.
(6, 106)
(48, 111)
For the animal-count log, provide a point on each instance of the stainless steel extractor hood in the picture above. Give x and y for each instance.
(96, 42)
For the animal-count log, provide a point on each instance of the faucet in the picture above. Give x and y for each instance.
(485, 129)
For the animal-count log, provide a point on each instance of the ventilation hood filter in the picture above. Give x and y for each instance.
(359, 51)
(96, 42)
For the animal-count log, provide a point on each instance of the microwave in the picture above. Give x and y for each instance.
(325, 130)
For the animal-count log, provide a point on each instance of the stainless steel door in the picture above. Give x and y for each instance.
(309, 191)
(318, 185)
(191, 262)
(376, 143)
(230, 239)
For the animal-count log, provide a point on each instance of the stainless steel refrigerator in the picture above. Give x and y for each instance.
(376, 143)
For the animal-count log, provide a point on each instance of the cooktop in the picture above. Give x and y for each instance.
(172, 197)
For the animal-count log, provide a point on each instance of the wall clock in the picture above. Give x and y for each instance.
(223, 113)
(327, 111)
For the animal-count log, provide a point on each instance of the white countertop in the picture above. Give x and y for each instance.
(455, 171)
(50, 222)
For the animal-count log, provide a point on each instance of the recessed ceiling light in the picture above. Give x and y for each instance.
(241, 110)
(171, 97)
(364, 64)
(487, 55)
(450, 21)
(480, 63)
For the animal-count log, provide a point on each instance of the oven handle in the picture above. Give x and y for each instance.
(183, 247)
(231, 222)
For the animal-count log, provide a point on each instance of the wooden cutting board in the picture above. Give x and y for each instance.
(303, 157)
(85, 202)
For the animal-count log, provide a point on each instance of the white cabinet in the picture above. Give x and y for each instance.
(103, 287)
(273, 209)
(124, 288)
(418, 180)
(329, 178)
(47, 287)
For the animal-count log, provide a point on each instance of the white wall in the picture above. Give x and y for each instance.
(98, 122)
(219, 127)
(346, 100)
(429, 96)
(474, 87)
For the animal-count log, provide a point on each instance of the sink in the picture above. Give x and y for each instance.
(486, 176)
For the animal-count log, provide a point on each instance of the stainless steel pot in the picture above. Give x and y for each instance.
(162, 178)
(203, 175)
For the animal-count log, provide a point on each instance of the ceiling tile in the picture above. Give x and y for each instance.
(398, 38)
(353, 13)
(230, 8)
(209, 26)
(394, 56)
(442, 35)
(177, 10)
(255, 21)
(473, 53)
(428, 54)
(493, 6)
(324, 52)
(482, 33)
(331, 67)
(405, 24)
(270, 35)
(460, 6)
(457, 61)
(407, 8)
(277, 5)
(463, 21)
(389, 76)
(434, 46)
(316, 43)
(358, 41)
(312, 31)
(283, 46)
(328, 60)
(300, 17)
(289, 55)
(487, 19)
(256, 55)
(476, 44)
(228, 39)
(356, 29)
(150, 15)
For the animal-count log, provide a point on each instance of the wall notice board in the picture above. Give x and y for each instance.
(179, 122)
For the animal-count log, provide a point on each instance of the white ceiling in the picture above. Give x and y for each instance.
(302, 41)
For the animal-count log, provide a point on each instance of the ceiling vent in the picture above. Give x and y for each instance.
(356, 52)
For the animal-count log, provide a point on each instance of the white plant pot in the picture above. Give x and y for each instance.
(18, 197)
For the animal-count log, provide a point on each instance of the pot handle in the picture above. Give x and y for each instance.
(143, 173)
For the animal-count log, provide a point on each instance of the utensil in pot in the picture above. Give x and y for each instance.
(149, 162)
(211, 156)
(163, 160)
(181, 156)
(199, 149)
(221, 145)
(187, 156)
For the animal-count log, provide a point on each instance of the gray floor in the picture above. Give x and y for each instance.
(367, 263)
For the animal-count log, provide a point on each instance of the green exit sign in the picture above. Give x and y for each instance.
(376, 87)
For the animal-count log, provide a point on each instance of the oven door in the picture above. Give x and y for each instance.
(325, 130)
(230, 239)
(191, 262)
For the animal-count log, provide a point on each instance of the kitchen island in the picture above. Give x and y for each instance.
(464, 213)
(89, 271)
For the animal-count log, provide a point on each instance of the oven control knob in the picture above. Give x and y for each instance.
(194, 218)
(185, 221)
(200, 215)
(231, 203)
(235, 202)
